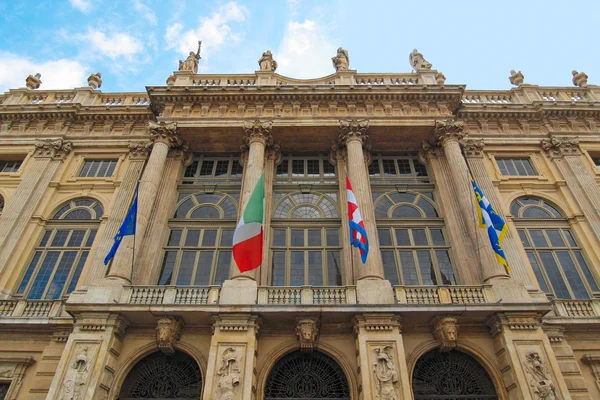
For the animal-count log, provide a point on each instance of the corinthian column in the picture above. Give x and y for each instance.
(448, 134)
(371, 286)
(164, 136)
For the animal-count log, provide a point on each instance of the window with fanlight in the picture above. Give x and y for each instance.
(198, 249)
(557, 260)
(61, 253)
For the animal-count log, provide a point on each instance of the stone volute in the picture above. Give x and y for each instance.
(445, 331)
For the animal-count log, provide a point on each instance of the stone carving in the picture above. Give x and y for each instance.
(516, 78)
(266, 62)
(440, 79)
(307, 331)
(33, 81)
(53, 148)
(449, 129)
(6, 373)
(258, 131)
(472, 147)
(341, 61)
(229, 375)
(191, 63)
(165, 132)
(168, 331)
(445, 330)
(73, 387)
(95, 80)
(353, 129)
(386, 375)
(539, 378)
(580, 79)
(560, 146)
(140, 149)
(418, 62)
(171, 80)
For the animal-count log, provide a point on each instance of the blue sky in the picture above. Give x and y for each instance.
(135, 43)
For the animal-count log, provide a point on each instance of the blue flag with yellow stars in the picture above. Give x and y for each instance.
(127, 228)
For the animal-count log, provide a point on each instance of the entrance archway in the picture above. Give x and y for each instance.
(451, 375)
(307, 376)
(163, 376)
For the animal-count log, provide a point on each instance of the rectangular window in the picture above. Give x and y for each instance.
(212, 170)
(310, 169)
(405, 168)
(10, 165)
(515, 167)
(97, 168)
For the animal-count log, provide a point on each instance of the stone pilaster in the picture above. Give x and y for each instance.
(273, 157)
(89, 361)
(230, 371)
(338, 156)
(47, 157)
(529, 367)
(381, 357)
(371, 286)
(164, 136)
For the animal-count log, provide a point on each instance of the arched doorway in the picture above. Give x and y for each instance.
(451, 375)
(163, 376)
(308, 376)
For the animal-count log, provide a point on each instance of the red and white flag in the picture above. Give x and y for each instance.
(358, 234)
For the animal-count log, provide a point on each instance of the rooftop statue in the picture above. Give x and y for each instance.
(191, 63)
(418, 62)
(341, 61)
(580, 79)
(516, 78)
(33, 81)
(266, 62)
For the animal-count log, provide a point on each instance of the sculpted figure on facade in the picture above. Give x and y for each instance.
(54, 148)
(168, 331)
(445, 330)
(95, 80)
(341, 61)
(33, 81)
(386, 374)
(165, 132)
(266, 62)
(516, 78)
(418, 62)
(191, 63)
(307, 331)
(75, 381)
(539, 378)
(229, 375)
(580, 79)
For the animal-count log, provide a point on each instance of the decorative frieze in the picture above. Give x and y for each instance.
(561, 146)
(307, 331)
(445, 330)
(56, 149)
(168, 332)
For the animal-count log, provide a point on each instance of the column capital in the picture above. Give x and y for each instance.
(258, 131)
(448, 130)
(273, 152)
(139, 150)
(165, 132)
(56, 149)
(353, 129)
(338, 152)
(472, 147)
(182, 152)
(560, 146)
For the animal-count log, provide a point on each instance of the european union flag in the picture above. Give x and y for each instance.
(495, 225)
(127, 228)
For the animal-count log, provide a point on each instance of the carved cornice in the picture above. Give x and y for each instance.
(377, 323)
(472, 147)
(561, 146)
(165, 132)
(56, 149)
(445, 330)
(258, 131)
(236, 323)
(448, 130)
(139, 150)
(516, 322)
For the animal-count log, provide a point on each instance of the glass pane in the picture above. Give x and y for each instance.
(536, 212)
(427, 208)
(334, 273)
(192, 237)
(60, 238)
(297, 237)
(419, 237)
(279, 237)
(570, 238)
(404, 167)
(511, 168)
(78, 214)
(76, 239)
(538, 238)
(207, 168)
(426, 267)
(282, 169)
(520, 167)
(236, 169)
(206, 212)
(389, 169)
(586, 271)
(537, 271)
(524, 239)
(528, 167)
(278, 277)
(111, 168)
(556, 279)
(223, 263)
(406, 212)
(190, 171)
(374, 168)
(93, 168)
(29, 272)
(174, 237)
(77, 272)
(204, 268)
(314, 237)
(315, 268)
(84, 173)
(556, 239)
(409, 272)
(389, 267)
(297, 268)
(573, 277)
(186, 268)
(420, 169)
(437, 237)
(209, 238)
(43, 275)
(445, 266)
(333, 237)
(502, 167)
(103, 168)
(227, 237)
(61, 274)
(91, 237)
(312, 167)
(402, 237)
(184, 208)
(222, 167)
(385, 238)
(167, 268)
(45, 238)
(328, 169)
(297, 167)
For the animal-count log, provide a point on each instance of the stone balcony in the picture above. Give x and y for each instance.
(32, 310)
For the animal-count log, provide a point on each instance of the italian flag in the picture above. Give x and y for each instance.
(248, 235)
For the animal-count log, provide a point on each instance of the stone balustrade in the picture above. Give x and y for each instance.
(170, 295)
(67, 97)
(31, 308)
(444, 294)
(530, 95)
(577, 308)
(307, 295)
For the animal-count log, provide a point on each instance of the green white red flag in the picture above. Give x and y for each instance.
(248, 235)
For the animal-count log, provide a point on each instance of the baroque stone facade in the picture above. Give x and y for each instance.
(430, 312)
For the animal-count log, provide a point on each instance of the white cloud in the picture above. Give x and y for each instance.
(82, 5)
(113, 46)
(214, 31)
(145, 11)
(305, 51)
(59, 74)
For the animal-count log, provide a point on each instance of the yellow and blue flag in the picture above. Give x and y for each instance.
(127, 228)
(495, 225)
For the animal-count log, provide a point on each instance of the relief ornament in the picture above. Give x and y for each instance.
(168, 331)
(307, 331)
(539, 378)
(445, 330)
(386, 375)
(229, 375)
(73, 387)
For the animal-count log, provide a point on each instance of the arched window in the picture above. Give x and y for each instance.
(309, 252)
(451, 375)
(59, 258)
(412, 240)
(552, 249)
(306, 375)
(198, 251)
(163, 376)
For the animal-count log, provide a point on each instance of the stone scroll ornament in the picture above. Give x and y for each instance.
(229, 375)
(539, 378)
(75, 382)
(386, 374)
